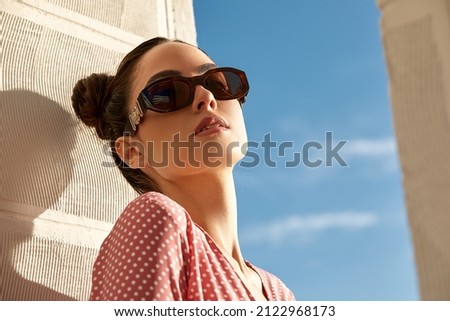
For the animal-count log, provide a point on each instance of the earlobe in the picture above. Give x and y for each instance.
(129, 151)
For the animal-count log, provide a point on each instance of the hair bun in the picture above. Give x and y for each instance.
(89, 99)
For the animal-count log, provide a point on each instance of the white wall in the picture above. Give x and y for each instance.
(57, 200)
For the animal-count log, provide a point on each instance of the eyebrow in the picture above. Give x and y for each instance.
(169, 73)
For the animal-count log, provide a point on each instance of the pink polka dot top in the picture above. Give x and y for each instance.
(156, 252)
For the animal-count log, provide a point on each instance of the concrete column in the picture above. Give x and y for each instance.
(416, 35)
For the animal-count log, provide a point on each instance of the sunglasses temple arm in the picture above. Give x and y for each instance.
(134, 117)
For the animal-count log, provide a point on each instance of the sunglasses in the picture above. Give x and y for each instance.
(177, 92)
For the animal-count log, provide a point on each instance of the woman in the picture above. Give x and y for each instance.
(167, 105)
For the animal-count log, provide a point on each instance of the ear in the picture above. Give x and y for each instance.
(130, 151)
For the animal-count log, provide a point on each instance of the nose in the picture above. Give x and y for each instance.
(203, 98)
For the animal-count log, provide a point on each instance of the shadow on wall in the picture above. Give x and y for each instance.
(36, 139)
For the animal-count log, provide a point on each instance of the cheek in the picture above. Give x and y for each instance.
(242, 142)
(239, 129)
(236, 142)
(161, 128)
(169, 145)
(243, 132)
(161, 137)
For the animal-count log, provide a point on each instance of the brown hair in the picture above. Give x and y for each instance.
(101, 101)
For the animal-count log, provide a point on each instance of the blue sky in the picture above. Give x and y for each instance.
(330, 232)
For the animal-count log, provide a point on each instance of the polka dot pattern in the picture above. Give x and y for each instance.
(156, 252)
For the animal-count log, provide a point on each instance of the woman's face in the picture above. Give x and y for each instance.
(172, 143)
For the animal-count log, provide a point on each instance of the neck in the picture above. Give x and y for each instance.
(210, 200)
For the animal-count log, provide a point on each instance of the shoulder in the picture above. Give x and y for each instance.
(154, 201)
(147, 250)
(278, 290)
(151, 217)
(155, 208)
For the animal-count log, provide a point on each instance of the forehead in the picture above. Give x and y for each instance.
(173, 56)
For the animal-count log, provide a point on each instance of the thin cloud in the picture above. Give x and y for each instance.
(304, 228)
(371, 147)
(383, 151)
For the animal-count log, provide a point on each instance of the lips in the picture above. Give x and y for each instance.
(210, 123)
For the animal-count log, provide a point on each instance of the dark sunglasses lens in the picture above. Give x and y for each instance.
(168, 96)
(225, 85)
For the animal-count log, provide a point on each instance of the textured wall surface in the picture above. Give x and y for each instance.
(59, 196)
(416, 36)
